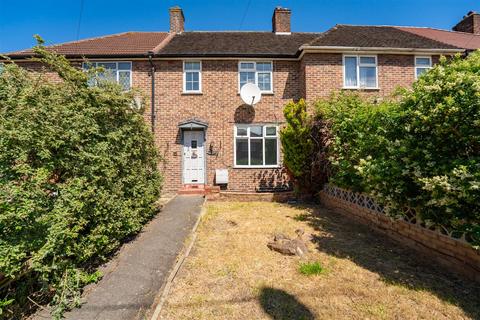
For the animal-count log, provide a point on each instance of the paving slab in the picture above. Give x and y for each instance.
(134, 277)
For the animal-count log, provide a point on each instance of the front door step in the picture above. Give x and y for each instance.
(198, 189)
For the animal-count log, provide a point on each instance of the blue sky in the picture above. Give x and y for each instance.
(57, 21)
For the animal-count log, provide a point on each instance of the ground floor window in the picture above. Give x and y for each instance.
(256, 146)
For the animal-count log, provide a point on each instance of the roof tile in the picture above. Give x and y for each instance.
(121, 44)
(236, 44)
(375, 37)
(458, 39)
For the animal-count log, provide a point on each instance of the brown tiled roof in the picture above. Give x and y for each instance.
(258, 44)
(236, 44)
(115, 45)
(458, 39)
(375, 37)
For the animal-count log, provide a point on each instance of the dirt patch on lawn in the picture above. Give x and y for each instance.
(231, 274)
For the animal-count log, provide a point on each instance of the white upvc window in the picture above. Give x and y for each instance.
(360, 72)
(259, 73)
(192, 76)
(422, 64)
(256, 146)
(117, 71)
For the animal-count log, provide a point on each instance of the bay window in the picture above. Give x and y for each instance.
(256, 146)
(422, 64)
(360, 72)
(192, 77)
(120, 72)
(259, 73)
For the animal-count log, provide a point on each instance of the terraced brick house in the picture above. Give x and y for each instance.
(205, 133)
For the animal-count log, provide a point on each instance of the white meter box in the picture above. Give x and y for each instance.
(221, 176)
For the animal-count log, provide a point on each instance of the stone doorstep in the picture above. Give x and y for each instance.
(198, 189)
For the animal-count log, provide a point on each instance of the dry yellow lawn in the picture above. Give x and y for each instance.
(231, 274)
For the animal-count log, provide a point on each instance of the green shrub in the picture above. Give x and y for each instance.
(311, 268)
(78, 174)
(421, 152)
(302, 140)
(432, 161)
(358, 128)
(296, 139)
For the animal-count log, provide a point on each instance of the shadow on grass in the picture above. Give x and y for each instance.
(280, 305)
(398, 265)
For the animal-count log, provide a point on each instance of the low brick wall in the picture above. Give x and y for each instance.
(252, 196)
(455, 254)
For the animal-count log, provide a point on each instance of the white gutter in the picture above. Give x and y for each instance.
(384, 50)
(304, 49)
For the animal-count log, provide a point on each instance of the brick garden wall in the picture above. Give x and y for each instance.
(455, 254)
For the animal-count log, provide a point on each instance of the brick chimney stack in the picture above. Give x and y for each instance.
(469, 24)
(177, 20)
(281, 20)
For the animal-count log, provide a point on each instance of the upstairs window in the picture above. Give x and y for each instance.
(360, 72)
(192, 77)
(120, 72)
(422, 65)
(256, 146)
(259, 73)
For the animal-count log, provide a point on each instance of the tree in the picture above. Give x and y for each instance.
(78, 174)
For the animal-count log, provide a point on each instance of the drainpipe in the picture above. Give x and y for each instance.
(152, 74)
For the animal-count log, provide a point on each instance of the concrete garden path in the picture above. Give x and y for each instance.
(132, 280)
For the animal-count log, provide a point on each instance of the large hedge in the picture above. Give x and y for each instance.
(78, 174)
(422, 151)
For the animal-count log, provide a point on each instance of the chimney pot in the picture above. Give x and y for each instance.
(281, 20)
(177, 20)
(470, 23)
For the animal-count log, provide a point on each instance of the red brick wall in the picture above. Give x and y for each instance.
(281, 20)
(323, 73)
(469, 24)
(315, 76)
(43, 71)
(456, 255)
(221, 106)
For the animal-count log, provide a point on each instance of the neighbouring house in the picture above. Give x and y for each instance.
(205, 133)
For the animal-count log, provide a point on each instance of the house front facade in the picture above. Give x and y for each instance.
(205, 133)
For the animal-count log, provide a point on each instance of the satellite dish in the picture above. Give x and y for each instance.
(250, 94)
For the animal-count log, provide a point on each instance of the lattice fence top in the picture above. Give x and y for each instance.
(409, 214)
(360, 199)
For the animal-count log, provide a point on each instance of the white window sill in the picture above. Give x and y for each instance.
(268, 93)
(257, 167)
(192, 93)
(360, 88)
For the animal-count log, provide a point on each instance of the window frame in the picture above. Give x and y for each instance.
(421, 67)
(96, 62)
(358, 56)
(263, 138)
(185, 91)
(256, 73)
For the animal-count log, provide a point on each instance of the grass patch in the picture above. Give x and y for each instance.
(231, 273)
(311, 268)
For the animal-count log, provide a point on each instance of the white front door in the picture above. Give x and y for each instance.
(193, 157)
